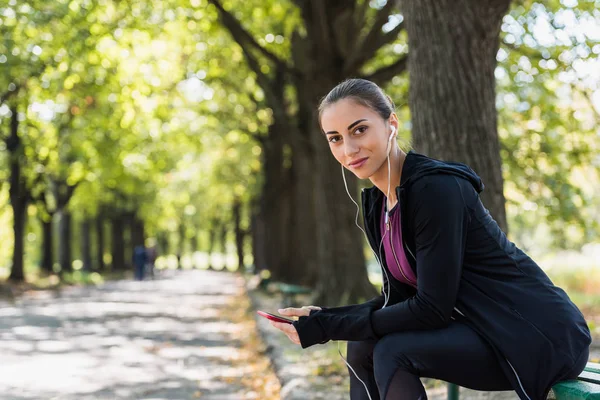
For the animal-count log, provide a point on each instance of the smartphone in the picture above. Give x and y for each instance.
(274, 317)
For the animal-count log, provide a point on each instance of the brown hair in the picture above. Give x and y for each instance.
(363, 92)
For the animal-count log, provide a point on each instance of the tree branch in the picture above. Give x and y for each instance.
(588, 97)
(8, 94)
(524, 50)
(374, 40)
(5, 96)
(243, 37)
(384, 74)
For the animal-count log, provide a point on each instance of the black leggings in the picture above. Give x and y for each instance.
(392, 366)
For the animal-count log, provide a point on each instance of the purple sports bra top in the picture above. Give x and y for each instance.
(392, 244)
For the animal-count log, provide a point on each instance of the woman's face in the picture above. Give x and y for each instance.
(357, 136)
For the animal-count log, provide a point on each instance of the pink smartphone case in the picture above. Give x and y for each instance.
(274, 317)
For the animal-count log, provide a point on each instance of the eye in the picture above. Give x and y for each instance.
(360, 130)
(334, 139)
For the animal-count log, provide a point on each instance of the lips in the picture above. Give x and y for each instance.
(358, 163)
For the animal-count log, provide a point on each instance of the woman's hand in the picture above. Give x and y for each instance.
(289, 329)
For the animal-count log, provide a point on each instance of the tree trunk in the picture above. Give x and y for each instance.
(64, 241)
(180, 245)
(212, 239)
(163, 243)
(453, 48)
(19, 217)
(117, 243)
(193, 240)
(340, 262)
(275, 206)
(100, 242)
(222, 239)
(86, 251)
(344, 279)
(19, 196)
(305, 254)
(47, 239)
(257, 229)
(239, 233)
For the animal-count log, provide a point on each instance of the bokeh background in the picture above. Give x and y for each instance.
(189, 127)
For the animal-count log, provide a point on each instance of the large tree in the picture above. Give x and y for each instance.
(331, 41)
(453, 47)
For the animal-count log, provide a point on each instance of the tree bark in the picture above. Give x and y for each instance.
(222, 239)
(163, 243)
(258, 239)
(275, 206)
(193, 239)
(212, 239)
(47, 261)
(100, 242)
(19, 196)
(239, 233)
(86, 251)
(117, 243)
(64, 241)
(181, 244)
(452, 96)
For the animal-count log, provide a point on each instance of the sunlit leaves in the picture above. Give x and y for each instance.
(547, 74)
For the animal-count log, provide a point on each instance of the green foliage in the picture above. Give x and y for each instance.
(548, 124)
(150, 107)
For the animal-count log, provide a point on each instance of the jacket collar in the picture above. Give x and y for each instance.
(416, 166)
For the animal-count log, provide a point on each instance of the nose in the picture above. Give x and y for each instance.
(350, 148)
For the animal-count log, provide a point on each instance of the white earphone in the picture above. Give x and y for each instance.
(392, 135)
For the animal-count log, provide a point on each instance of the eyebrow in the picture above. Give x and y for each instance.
(349, 126)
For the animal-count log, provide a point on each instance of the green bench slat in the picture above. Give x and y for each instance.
(592, 367)
(591, 377)
(577, 390)
(586, 387)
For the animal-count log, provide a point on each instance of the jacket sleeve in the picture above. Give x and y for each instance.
(338, 323)
(441, 220)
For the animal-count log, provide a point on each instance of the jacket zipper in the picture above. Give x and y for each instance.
(511, 367)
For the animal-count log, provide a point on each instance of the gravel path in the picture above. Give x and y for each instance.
(186, 335)
(176, 337)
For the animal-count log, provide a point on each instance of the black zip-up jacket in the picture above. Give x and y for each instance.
(467, 270)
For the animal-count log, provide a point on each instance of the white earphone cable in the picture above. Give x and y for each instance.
(386, 295)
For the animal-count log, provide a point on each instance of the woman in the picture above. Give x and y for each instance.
(459, 302)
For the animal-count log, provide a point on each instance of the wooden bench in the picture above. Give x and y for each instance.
(586, 387)
(290, 292)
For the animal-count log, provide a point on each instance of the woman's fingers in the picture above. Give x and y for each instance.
(293, 312)
(297, 312)
(288, 329)
(294, 338)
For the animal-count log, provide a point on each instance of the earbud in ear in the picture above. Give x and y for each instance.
(392, 134)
